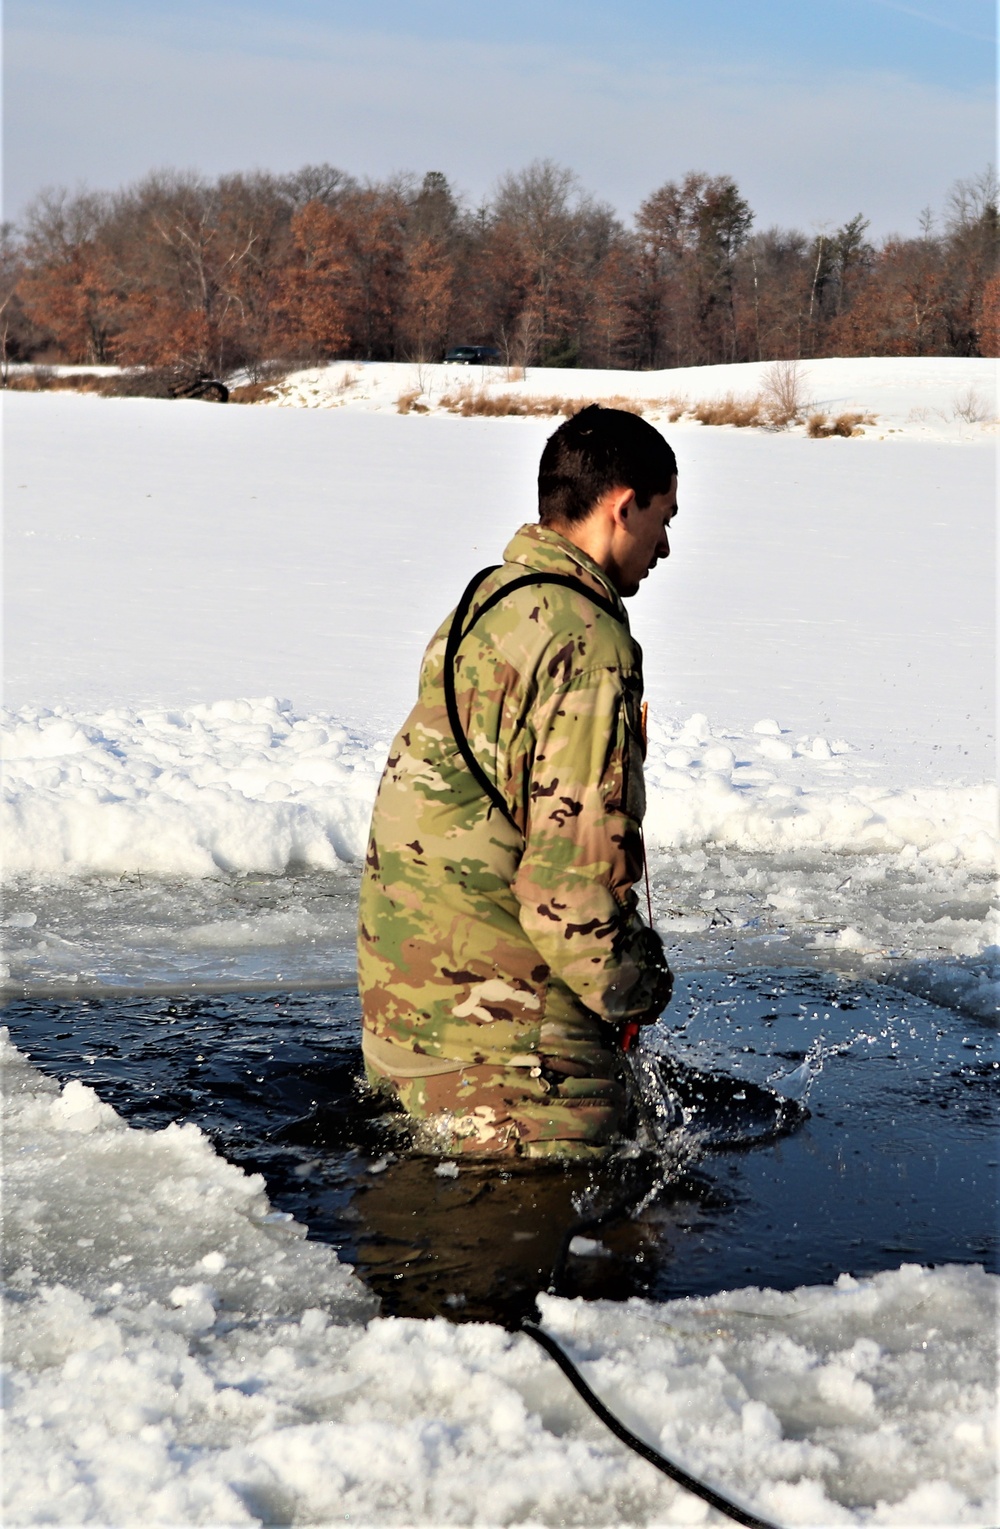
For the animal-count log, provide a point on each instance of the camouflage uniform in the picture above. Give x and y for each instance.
(498, 956)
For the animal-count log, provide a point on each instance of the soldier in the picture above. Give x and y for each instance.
(500, 947)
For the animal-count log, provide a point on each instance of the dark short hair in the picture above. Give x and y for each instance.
(597, 450)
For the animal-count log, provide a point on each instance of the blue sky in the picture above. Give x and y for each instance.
(819, 110)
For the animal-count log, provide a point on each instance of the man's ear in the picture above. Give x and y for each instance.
(622, 503)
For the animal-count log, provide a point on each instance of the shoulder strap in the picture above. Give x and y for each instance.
(458, 630)
(455, 635)
(565, 579)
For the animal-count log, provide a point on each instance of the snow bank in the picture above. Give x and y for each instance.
(770, 791)
(239, 785)
(178, 1354)
(249, 786)
(939, 398)
(205, 553)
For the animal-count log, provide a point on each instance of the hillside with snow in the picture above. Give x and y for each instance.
(933, 398)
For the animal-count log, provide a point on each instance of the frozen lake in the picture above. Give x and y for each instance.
(214, 621)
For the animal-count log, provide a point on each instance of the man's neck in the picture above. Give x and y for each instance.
(592, 536)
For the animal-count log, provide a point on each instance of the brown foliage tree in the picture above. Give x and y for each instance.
(67, 285)
(690, 235)
(971, 251)
(372, 222)
(898, 312)
(312, 289)
(531, 248)
(989, 318)
(425, 302)
(227, 275)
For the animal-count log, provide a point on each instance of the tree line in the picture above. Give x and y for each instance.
(253, 269)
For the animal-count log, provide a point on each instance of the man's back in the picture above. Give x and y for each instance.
(499, 943)
(458, 904)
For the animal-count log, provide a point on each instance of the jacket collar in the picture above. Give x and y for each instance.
(545, 551)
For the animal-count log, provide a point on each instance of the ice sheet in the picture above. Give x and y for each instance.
(179, 1355)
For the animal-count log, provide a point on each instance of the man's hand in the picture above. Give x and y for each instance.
(656, 984)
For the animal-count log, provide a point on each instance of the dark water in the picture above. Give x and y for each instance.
(895, 1159)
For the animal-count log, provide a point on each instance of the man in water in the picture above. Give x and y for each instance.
(500, 948)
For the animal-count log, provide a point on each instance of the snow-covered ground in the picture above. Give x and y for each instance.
(214, 622)
(931, 399)
(179, 1355)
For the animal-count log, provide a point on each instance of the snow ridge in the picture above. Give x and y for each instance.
(247, 785)
(238, 785)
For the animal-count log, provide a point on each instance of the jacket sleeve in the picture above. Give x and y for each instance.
(583, 850)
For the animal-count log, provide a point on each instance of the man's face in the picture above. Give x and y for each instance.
(641, 539)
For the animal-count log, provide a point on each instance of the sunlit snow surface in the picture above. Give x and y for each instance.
(818, 662)
(221, 844)
(180, 1355)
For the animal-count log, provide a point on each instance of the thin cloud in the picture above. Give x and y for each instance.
(934, 21)
(804, 148)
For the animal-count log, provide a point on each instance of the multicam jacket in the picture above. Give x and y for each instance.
(505, 940)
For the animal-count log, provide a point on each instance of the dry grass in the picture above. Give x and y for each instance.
(780, 402)
(821, 427)
(253, 392)
(408, 403)
(629, 405)
(41, 380)
(471, 400)
(135, 382)
(729, 410)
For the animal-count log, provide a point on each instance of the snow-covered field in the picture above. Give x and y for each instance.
(214, 619)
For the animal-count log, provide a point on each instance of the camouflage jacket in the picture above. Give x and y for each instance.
(483, 939)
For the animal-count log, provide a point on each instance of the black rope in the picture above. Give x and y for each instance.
(529, 580)
(457, 634)
(646, 1451)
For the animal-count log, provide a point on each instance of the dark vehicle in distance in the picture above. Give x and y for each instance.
(471, 355)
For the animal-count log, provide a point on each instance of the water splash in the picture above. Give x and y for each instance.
(797, 1084)
(658, 1110)
(683, 1109)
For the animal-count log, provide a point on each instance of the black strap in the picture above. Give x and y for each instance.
(455, 636)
